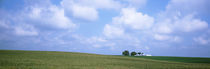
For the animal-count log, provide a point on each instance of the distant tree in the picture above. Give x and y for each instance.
(133, 53)
(139, 53)
(125, 53)
(142, 54)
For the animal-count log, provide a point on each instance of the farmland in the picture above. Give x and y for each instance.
(14, 59)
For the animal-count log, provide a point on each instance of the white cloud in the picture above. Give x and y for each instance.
(35, 12)
(163, 27)
(128, 21)
(26, 30)
(189, 6)
(49, 16)
(189, 24)
(180, 16)
(161, 37)
(113, 31)
(87, 9)
(83, 12)
(165, 37)
(186, 24)
(135, 20)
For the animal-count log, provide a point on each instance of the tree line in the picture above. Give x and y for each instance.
(126, 53)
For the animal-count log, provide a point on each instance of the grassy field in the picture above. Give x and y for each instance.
(178, 59)
(10, 59)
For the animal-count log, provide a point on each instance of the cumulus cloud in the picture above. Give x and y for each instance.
(84, 12)
(49, 16)
(113, 31)
(79, 11)
(86, 9)
(163, 28)
(162, 37)
(35, 20)
(189, 24)
(184, 13)
(135, 20)
(186, 24)
(188, 6)
(128, 19)
(179, 17)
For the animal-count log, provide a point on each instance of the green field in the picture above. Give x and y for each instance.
(11, 59)
(179, 59)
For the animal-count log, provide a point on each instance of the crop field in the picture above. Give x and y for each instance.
(179, 59)
(13, 59)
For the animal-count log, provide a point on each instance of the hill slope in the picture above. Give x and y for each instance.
(66, 60)
(178, 59)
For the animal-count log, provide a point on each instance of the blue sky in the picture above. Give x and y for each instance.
(155, 27)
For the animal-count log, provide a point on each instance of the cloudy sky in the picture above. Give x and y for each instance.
(156, 27)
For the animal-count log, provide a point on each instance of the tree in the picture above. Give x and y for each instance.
(142, 54)
(133, 53)
(139, 53)
(125, 53)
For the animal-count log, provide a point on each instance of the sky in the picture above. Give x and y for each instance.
(154, 27)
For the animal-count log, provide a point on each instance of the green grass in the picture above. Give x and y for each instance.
(11, 59)
(178, 59)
